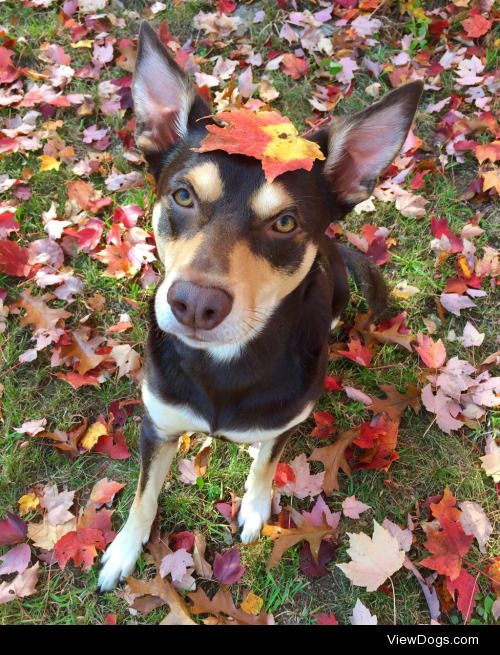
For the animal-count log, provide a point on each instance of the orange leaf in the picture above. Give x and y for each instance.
(448, 546)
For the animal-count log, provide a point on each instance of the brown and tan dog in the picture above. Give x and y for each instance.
(239, 326)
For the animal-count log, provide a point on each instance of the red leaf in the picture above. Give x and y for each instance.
(476, 25)
(357, 352)
(294, 66)
(433, 353)
(379, 438)
(227, 567)
(113, 445)
(110, 619)
(183, 539)
(226, 6)
(104, 491)
(445, 508)
(284, 475)
(79, 546)
(467, 588)
(326, 619)
(447, 546)
(325, 555)
(12, 530)
(13, 259)
(332, 383)
(325, 423)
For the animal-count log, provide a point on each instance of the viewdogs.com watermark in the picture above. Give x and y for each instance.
(428, 640)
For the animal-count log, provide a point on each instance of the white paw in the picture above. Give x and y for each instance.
(119, 560)
(254, 512)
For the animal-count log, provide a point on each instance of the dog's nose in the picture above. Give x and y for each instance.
(201, 308)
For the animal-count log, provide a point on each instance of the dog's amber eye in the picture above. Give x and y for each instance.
(183, 198)
(285, 224)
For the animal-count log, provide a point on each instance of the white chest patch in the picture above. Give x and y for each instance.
(171, 420)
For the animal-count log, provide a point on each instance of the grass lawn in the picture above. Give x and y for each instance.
(428, 460)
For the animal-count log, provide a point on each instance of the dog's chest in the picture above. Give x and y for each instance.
(173, 419)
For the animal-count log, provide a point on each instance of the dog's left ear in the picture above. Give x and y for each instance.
(360, 147)
(165, 102)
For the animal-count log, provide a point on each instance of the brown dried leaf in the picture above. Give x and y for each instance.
(222, 607)
(333, 459)
(179, 613)
(396, 403)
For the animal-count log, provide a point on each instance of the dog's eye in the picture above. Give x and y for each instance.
(183, 198)
(285, 224)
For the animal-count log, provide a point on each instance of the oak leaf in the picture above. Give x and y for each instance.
(395, 404)
(158, 587)
(285, 538)
(84, 351)
(333, 459)
(222, 607)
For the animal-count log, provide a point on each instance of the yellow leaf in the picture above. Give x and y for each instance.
(185, 442)
(92, 435)
(84, 43)
(49, 163)
(491, 180)
(252, 604)
(403, 290)
(287, 145)
(27, 503)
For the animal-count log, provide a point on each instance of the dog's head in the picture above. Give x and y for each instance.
(234, 245)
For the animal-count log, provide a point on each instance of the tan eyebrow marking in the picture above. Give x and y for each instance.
(206, 181)
(269, 199)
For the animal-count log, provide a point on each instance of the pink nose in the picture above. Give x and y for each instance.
(201, 308)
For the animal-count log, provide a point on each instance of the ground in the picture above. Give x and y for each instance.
(429, 459)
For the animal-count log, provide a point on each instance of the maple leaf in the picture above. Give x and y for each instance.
(361, 615)
(80, 546)
(223, 608)
(28, 503)
(285, 538)
(442, 407)
(23, 585)
(320, 513)
(467, 588)
(395, 404)
(333, 459)
(284, 475)
(92, 435)
(56, 504)
(264, 135)
(352, 508)
(252, 604)
(491, 459)
(97, 520)
(325, 619)
(176, 564)
(294, 66)
(227, 567)
(12, 530)
(304, 483)
(15, 560)
(476, 25)
(45, 535)
(103, 492)
(379, 439)
(332, 383)
(433, 353)
(474, 521)
(357, 352)
(14, 259)
(113, 445)
(373, 560)
(179, 613)
(446, 509)
(448, 546)
(324, 425)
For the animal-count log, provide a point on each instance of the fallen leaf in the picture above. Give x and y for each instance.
(333, 459)
(56, 504)
(395, 404)
(223, 608)
(352, 508)
(15, 560)
(103, 492)
(467, 588)
(433, 353)
(373, 560)
(475, 521)
(12, 530)
(361, 615)
(227, 567)
(179, 613)
(176, 564)
(23, 585)
(252, 604)
(446, 509)
(80, 546)
(448, 546)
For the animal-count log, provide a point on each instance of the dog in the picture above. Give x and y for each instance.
(239, 324)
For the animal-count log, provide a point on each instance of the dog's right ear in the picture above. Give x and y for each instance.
(165, 101)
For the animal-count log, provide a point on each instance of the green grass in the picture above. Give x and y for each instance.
(428, 460)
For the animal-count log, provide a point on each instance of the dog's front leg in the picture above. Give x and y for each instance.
(156, 456)
(256, 504)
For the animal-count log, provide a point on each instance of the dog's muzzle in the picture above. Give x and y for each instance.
(197, 307)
